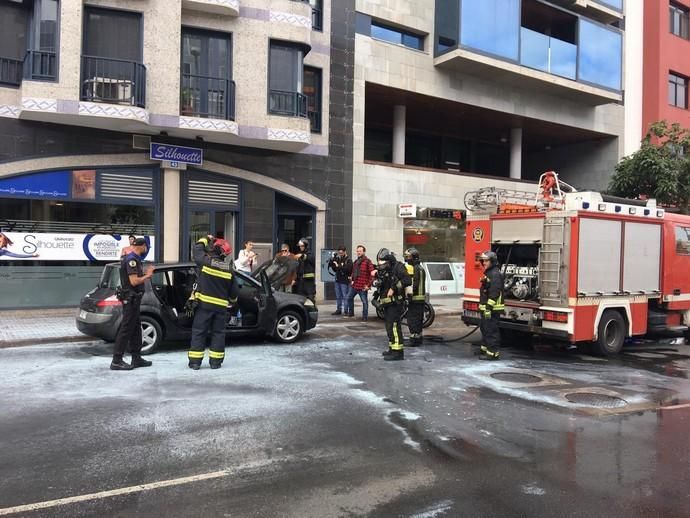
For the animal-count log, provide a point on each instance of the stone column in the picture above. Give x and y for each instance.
(399, 113)
(171, 216)
(516, 153)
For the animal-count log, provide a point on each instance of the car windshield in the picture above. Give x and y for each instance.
(110, 278)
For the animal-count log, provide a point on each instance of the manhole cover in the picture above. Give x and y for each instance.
(516, 377)
(595, 400)
(358, 328)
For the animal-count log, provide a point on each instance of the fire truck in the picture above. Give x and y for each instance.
(579, 267)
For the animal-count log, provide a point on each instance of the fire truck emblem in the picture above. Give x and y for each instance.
(477, 235)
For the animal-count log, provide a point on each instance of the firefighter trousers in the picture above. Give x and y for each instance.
(415, 318)
(491, 334)
(129, 335)
(392, 314)
(209, 325)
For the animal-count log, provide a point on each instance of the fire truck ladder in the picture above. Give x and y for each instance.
(550, 259)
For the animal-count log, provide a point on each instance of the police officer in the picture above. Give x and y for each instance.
(132, 279)
(305, 282)
(415, 301)
(216, 291)
(394, 283)
(490, 306)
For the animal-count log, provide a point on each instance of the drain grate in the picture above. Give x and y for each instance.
(516, 377)
(595, 400)
(358, 328)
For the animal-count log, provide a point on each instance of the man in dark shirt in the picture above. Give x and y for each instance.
(341, 266)
(132, 279)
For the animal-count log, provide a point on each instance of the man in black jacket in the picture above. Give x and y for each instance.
(305, 284)
(341, 266)
(490, 306)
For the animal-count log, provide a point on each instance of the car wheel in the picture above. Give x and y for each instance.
(151, 334)
(288, 327)
(611, 333)
(429, 315)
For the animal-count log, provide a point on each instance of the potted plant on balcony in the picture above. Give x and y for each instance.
(186, 102)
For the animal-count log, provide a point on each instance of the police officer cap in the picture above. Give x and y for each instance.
(140, 241)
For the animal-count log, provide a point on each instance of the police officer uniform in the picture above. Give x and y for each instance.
(416, 300)
(129, 334)
(306, 272)
(216, 291)
(392, 276)
(490, 306)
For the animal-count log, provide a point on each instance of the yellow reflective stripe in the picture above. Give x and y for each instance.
(309, 275)
(499, 308)
(204, 241)
(216, 355)
(196, 355)
(482, 307)
(211, 300)
(410, 269)
(397, 344)
(418, 297)
(491, 302)
(216, 273)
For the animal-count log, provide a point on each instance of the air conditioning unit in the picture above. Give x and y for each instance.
(105, 89)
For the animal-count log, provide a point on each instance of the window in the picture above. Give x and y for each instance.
(285, 80)
(316, 14)
(492, 26)
(683, 240)
(13, 42)
(206, 89)
(677, 90)
(390, 34)
(678, 20)
(312, 89)
(600, 55)
(42, 50)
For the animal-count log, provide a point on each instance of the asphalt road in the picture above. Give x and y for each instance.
(326, 428)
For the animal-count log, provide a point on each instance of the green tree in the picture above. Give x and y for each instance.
(659, 169)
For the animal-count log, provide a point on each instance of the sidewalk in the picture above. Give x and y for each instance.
(41, 326)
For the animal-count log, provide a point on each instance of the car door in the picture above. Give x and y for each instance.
(268, 312)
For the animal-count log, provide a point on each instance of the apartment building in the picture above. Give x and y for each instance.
(170, 119)
(456, 95)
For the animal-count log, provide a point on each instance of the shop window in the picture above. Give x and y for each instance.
(286, 80)
(683, 240)
(677, 90)
(312, 89)
(438, 240)
(381, 31)
(678, 20)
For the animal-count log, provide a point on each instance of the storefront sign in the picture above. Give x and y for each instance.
(18, 246)
(55, 184)
(407, 210)
(179, 154)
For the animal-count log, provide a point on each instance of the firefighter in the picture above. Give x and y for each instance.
(216, 291)
(394, 283)
(415, 301)
(306, 272)
(490, 306)
(132, 279)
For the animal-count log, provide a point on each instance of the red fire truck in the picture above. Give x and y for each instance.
(578, 266)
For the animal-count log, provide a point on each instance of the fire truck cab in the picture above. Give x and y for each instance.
(579, 267)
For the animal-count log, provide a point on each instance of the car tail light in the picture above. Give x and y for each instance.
(470, 306)
(555, 316)
(110, 301)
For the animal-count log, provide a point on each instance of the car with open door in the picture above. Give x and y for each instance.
(263, 310)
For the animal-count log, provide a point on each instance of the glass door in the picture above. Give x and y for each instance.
(218, 223)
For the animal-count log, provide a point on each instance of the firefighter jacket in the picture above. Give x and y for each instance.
(395, 278)
(418, 276)
(491, 291)
(306, 274)
(216, 285)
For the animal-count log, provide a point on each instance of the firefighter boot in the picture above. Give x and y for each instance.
(395, 355)
(195, 366)
(214, 364)
(488, 354)
(415, 341)
(387, 352)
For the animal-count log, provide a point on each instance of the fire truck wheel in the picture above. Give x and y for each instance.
(611, 333)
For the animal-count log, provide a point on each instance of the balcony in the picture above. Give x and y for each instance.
(222, 7)
(11, 71)
(291, 104)
(113, 81)
(40, 65)
(207, 97)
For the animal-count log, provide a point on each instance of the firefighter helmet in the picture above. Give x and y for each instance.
(385, 257)
(222, 248)
(411, 255)
(489, 256)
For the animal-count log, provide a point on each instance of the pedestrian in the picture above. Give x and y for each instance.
(305, 283)
(490, 306)
(130, 293)
(216, 292)
(416, 300)
(246, 259)
(341, 266)
(394, 283)
(362, 276)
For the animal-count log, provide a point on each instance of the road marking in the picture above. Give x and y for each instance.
(114, 492)
(674, 407)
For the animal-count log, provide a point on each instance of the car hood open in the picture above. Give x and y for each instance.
(278, 270)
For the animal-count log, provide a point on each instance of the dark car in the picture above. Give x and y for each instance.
(263, 310)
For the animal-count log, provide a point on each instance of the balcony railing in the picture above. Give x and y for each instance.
(115, 81)
(315, 121)
(207, 97)
(293, 104)
(11, 71)
(316, 19)
(40, 65)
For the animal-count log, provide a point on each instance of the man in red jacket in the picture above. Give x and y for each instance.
(362, 272)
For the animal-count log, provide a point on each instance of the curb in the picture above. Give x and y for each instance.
(8, 344)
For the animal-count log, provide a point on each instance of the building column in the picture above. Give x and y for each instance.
(399, 124)
(171, 215)
(516, 153)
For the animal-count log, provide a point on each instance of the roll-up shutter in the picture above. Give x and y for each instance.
(124, 185)
(205, 192)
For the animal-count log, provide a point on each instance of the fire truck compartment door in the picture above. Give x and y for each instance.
(599, 256)
(523, 230)
(641, 257)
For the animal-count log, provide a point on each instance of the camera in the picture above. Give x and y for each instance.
(334, 255)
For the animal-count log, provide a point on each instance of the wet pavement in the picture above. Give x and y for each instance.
(326, 428)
